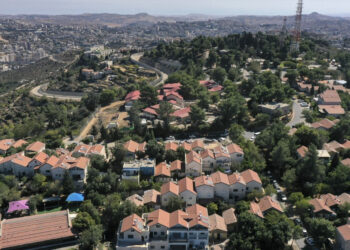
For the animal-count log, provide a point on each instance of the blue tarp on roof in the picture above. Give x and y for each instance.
(75, 197)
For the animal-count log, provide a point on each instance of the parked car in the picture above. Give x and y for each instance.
(192, 137)
(310, 241)
(297, 221)
(170, 138)
(257, 133)
(300, 101)
(283, 197)
(304, 232)
(304, 104)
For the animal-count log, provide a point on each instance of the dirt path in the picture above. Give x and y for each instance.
(96, 118)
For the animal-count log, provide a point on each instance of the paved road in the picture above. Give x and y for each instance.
(298, 117)
(39, 92)
(162, 77)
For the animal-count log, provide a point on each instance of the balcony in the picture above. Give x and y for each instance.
(178, 239)
(158, 238)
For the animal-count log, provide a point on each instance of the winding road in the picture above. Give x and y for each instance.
(162, 77)
(298, 116)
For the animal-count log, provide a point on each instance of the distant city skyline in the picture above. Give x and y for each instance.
(167, 7)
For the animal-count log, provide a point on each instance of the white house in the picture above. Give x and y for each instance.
(237, 186)
(221, 185)
(187, 192)
(208, 161)
(236, 153)
(204, 187)
(167, 191)
(48, 165)
(252, 180)
(193, 164)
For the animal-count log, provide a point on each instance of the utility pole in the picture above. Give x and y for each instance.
(297, 28)
(284, 31)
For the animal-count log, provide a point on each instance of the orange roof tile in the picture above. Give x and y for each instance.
(302, 151)
(6, 144)
(169, 187)
(197, 144)
(41, 157)
(219, 177)
(204, 180)
(344, 231)
(193, 156)
(132, 146)
(207, 153)
(186, 184)
(250, 175)
(186, 146)
(330, 199)
(346, 162)
(177, 218)
(255, 209)
(160, 217)
(320, 205)
(132, 222)
(19, 143)
(35, 146)
(162, 169)
(175, 165)
(217, 222)
(171, 146)
(325, 123)
(18, 232)
(234, 148)
(229, 216)
(150, 196)
(236, 178)
(53, 160)
(136, 199)
(267, 203)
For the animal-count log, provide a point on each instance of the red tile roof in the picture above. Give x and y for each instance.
(160, 217)
(346, 162)
(197, 144)
(203, 180)
(175, 165)
(332, 109)
(236, 178)
(35, 146)
(34, 229)
(344, 231)
(18, 159)
(234, 148)
(172, 85)
(229, 216)
(182, 113)
(219, 177)
(250, 175)
(320, 205)
(325, 123)
(302, 151)
(133, 96)
(150, 196)
(207, 153)
(132, 222)
(267, 203)
(136, 199)
(169, 187)
(162, 169)
(186, 184)
(178, 218)
(330, 199)
(41, 157)
(193, 157)
(330, 96)
(255, 209)
(216, 88)
(171, 146)
(19, 143)
(132, 146)
(217, 222)
(150, 111)
(6, 144)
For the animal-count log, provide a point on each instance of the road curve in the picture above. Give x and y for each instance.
(298, 116)
(162, 77)
(39, 91)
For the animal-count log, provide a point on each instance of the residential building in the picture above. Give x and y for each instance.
(329, 97)
(324, 124)
(5, 145)
(133, 147)
(162, 172)
(252, 180)
(176, 169)
(230, 219)
(208, 161)
(167, 191)
(236, 153)
(131, 98)
(16, 164)
(136, 199)
(35, 147)
(89, 150)
(204, 187)
(343, 237)
(37, 231)
(238, 186)
(186, 191)
(151, 198)
(193, 163)
(221, 185)
(132, 232)
(265, 205)
(217, 228)
(321, 209)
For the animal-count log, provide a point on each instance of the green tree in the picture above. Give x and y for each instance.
(281, 158)
(219, 75)
(107, 96)
(197, 116)
(67, 183)
(295, 197)
(174, 203)
(83, 221)
(212, 208)
(89, 208)
(165, 110)
(90, 238)
(252, 157)
(148, 95)
(321, 229)
(155, 150)
(236, 133)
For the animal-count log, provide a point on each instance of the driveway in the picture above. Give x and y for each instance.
(298, 116)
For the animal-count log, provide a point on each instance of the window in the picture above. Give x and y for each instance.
(130, 236)
(157, 226)
(153, 247)
(190, 198)
(155, 233)
(162, 233)
(235, 190)
(162, 247)
(132, 230)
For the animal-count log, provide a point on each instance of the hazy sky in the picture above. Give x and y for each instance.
(172, 7)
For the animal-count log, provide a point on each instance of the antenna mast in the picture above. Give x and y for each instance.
(297, 30)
